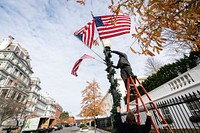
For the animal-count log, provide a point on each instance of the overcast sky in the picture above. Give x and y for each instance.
(45, 28)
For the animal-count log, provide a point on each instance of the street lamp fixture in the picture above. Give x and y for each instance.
(107, 47)
(107, 43)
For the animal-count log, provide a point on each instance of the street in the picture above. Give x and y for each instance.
(75, 129)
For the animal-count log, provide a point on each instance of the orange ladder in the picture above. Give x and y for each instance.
(137, 106)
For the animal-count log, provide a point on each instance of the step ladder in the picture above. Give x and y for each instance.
(138, 96)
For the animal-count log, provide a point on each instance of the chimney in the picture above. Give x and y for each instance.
(6, 42)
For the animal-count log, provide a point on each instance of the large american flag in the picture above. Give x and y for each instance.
(78, 62)
(110, 26)
(86, 34)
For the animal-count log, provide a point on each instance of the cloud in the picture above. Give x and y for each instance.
(45, 28)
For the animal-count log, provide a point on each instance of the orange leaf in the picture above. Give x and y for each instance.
(95, 42)
(133, 50)
(150, 53)
(195, 47)
(139, 12)
(134, 35)
(117, 10)
(82, 2)
(158, 51)
(143, 51)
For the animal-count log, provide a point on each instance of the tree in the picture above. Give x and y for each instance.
(10, 109)
(162, 23)
(71, 120)
(92, 104)
(64, 116)
(173, 22)
(152, 66)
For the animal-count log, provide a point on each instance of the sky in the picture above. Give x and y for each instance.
(45, 29)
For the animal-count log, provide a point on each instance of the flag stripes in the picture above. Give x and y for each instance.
(110, 26)
(86, 34)
(77, 64)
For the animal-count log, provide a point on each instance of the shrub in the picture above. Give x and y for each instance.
(83, 126)
(195, 118)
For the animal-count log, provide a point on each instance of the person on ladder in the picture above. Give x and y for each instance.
(130, 125)
(125, 69)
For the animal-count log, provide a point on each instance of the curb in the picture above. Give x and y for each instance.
(102, 131)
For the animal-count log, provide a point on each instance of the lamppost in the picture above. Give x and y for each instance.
(113, 82)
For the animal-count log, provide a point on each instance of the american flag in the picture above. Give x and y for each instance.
(110, 26)
(77, 64)
(86, 34)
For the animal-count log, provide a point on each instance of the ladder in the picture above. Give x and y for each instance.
(138, 96)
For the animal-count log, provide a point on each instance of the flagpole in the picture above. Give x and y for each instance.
(96, 54)
(98, 32)
(100, 61)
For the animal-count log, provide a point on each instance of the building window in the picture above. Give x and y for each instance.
(18, 98)
(10, 82)
(23, 99)
(1, 55)
(2, 79)
(4, 92)
(13, 95)
(16, 71)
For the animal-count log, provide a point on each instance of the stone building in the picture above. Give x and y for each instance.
(15, 72)
(18, 87)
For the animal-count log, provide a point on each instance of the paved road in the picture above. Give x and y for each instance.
(75, 129)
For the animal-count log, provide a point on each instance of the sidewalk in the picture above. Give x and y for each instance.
(100, 130)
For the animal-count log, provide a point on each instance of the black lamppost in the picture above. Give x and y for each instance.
(116, 95)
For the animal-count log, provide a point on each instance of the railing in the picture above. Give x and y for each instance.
(182, 113)
(181, 81)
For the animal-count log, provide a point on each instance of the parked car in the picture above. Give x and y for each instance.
(58, 127)
(67, 125)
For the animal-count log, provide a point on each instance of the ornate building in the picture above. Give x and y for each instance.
(17, 87)
(15, 71)
(33, 95)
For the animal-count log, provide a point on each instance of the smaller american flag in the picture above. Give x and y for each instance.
(110, 26)
(78, 62)
(86, 34)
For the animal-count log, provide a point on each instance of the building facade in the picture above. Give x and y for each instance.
(33, 95)
(50, 107)
(18, 87)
